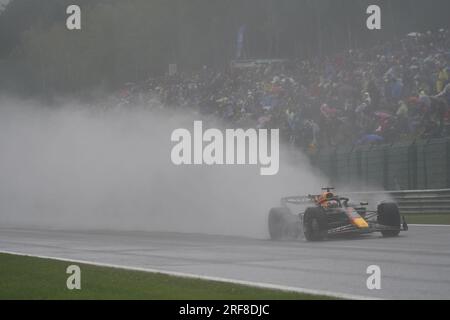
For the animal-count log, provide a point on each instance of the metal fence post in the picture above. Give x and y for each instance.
(385, 168)
(333, 167)
(358, 167)
(447, 161)
(412, 166)
(425, 171)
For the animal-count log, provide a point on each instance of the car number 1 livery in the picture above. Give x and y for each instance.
(328, 215)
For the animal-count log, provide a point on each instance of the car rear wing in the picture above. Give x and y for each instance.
(298, 200)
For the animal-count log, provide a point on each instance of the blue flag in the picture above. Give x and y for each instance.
(240, 42)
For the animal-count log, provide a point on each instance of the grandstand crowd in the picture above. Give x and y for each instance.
(392, 92)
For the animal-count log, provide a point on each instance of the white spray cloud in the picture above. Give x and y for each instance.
(74, 167)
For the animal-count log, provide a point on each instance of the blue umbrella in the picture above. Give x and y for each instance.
(369, 138)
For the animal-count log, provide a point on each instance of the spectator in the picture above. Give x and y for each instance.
(386, 93)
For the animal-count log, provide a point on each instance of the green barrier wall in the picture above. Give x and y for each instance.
(402, 166)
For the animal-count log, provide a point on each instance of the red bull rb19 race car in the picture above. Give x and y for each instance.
(329, 215)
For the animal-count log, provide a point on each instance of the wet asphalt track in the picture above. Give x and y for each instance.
(415, 265)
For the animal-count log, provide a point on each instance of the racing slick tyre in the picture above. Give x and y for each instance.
(282, 224)
(389, 215)
(315, 224)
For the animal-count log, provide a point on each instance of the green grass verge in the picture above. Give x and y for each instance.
(24, 277)
(427, 218)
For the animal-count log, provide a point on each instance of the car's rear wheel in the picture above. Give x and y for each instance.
(315, 224)
(389, 216)
(282, 224)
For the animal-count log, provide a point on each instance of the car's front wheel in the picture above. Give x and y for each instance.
(389, 216)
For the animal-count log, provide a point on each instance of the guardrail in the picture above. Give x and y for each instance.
(412, 201)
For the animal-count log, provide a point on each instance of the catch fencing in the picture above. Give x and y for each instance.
(417, 172)
(421, 165)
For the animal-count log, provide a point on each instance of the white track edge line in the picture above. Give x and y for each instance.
(203, 277)
(429, 225)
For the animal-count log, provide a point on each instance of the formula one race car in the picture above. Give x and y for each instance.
(327, 215)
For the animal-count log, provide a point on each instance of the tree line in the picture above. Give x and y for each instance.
(123, 41)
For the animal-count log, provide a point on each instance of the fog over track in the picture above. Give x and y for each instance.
(79, 167)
